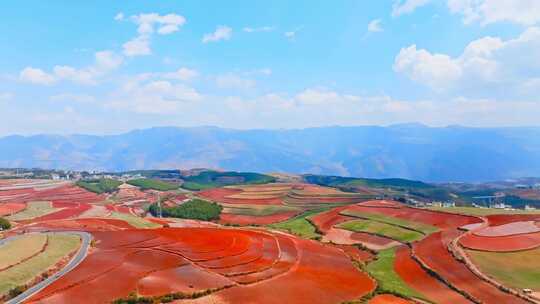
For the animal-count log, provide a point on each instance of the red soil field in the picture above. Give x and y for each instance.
(11, 208)
(355, 253)
(434, 253)
(416, 277)
(502, 243)
(509, 229)
(367, 238)
(229, 218)
(326, 220)
(501, 219)
(438, 219)
(388, 299)
(249, 264)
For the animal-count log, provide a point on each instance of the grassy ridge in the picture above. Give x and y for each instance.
(33, 209)
(147, 183)
(383, 229)
(21, 248)
(423, 228)
(388, 280)
(514, 269)
(134, 221)
(300, 225)
(59, 246)
(103, 185)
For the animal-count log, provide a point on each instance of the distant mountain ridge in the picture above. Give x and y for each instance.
(410, 151)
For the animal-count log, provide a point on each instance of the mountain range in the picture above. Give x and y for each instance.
(410, 151)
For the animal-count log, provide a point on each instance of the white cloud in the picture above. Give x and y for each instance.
(119, 16)
(154, 97)
(258, 29)
(222, 32)
(138, 46)
(526, 12)
(167, 24)
(374, 26)
(78, 98)
(105, 62)
(402, 7)
(36, 76)
(231, 81)
(146, 24)
(183, 74)
(290, 35)
(485, 64)
(317, 97)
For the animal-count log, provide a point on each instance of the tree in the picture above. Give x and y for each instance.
(4, 224)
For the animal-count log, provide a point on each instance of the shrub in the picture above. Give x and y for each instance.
(147, 183)
(4, 224)
(194, 209)
(104, 185)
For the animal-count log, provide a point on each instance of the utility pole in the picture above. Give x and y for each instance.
(159, 206)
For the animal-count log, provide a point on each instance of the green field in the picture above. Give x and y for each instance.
(99, 186)
(33, 210)
(300, 225)
(482, 211)
(134, 221)
(420, 227)
(4, 224)
(388, 280)
(59, 246)
(21, 248)
(382, 229)
(147, 183)
(513, 269)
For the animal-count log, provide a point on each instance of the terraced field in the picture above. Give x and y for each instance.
(237, 266)
(33, 210)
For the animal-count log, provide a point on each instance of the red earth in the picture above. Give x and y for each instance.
(11, 208)
(247, 265)
(507, 243)
(388, 299)
(229, 218)
(416, 277)
(433, 251)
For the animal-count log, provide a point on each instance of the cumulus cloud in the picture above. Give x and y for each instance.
(183, 74)
(222, 32)
(526, 12)
(154, 97)
(138, 46)
(232, 81)
(104, 62)
(119, 16)
(36, 76)
(146, 27)
(485, 63)
(402, 7)
(374, 26)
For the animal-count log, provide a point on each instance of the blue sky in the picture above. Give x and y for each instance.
(105, 67)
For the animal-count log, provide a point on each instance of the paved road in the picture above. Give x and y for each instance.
(75, 261)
